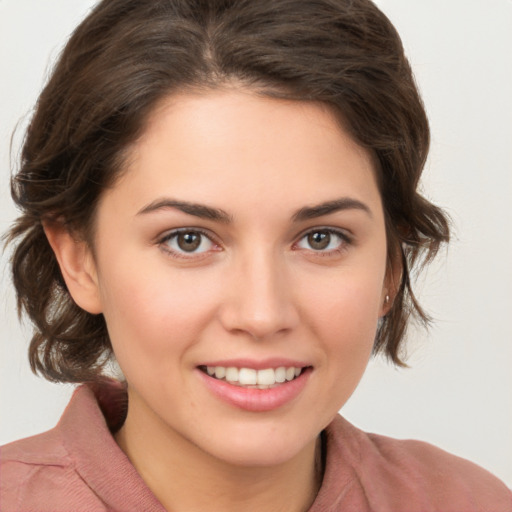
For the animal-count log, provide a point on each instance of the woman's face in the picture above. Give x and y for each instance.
(246, 236)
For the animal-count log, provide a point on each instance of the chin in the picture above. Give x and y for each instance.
(272, 448)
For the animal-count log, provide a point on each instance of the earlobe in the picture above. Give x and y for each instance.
(386, 303)
(391, 286)
(76, 265)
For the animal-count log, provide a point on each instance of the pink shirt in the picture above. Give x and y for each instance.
(77, 466)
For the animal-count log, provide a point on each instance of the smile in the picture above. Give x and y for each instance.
(251, 378)
(260, 389)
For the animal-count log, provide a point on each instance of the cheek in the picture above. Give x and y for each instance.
(349, 332)
(343, 315)
(346, 304)
(348, 318)
(149, 312)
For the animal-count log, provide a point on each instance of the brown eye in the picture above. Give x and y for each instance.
(319, 240)
(189, 242)
(324, 240)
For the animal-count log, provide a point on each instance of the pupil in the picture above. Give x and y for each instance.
(189, 241)
(319, 240)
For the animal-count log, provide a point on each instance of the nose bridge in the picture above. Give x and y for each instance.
(260, 302)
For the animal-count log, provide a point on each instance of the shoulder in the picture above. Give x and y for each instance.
(417, 473)
(38, 473)
(442, 475)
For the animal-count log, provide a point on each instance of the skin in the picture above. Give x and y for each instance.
(257, 290)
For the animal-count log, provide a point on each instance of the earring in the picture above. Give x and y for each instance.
(386, 300)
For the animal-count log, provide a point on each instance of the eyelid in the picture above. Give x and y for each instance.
(345, 236)
(342, 232)
(168, 235)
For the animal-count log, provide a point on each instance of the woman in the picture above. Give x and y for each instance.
(222, 194)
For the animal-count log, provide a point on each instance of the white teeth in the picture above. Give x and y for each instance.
(247, 376)
(266, 377)
(261, 379)
(232, 374)
(280, 374)
(220, 372)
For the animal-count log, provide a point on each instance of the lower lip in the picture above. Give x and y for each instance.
(256, 400)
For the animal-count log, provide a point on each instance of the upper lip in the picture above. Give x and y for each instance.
(262, 364)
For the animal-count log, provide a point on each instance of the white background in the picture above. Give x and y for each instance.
(458, 392)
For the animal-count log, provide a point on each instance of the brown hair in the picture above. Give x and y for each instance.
(129, 54)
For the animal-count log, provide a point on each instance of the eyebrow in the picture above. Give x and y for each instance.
(216, 214)
(198, 210)
(344, 203)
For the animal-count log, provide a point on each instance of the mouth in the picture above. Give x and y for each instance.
(251, 378)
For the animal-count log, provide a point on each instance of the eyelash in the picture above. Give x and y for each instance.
(164, 241)
(345, 241)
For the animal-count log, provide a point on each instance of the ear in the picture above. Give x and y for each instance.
(77, 266)
(392, 282)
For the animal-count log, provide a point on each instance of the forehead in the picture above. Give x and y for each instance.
(236, 146)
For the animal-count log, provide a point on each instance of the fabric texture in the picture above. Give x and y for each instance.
(77, 466)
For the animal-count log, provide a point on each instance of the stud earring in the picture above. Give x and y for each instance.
(386, 299)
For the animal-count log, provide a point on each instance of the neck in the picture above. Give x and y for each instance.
(185, 478)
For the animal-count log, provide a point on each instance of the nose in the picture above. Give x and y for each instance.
(259, 299)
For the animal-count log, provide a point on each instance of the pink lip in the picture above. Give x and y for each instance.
(256, 400)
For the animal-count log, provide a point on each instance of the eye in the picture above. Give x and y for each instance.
(187, 241)
(323, 240)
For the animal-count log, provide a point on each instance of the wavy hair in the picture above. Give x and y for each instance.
(129, 54)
